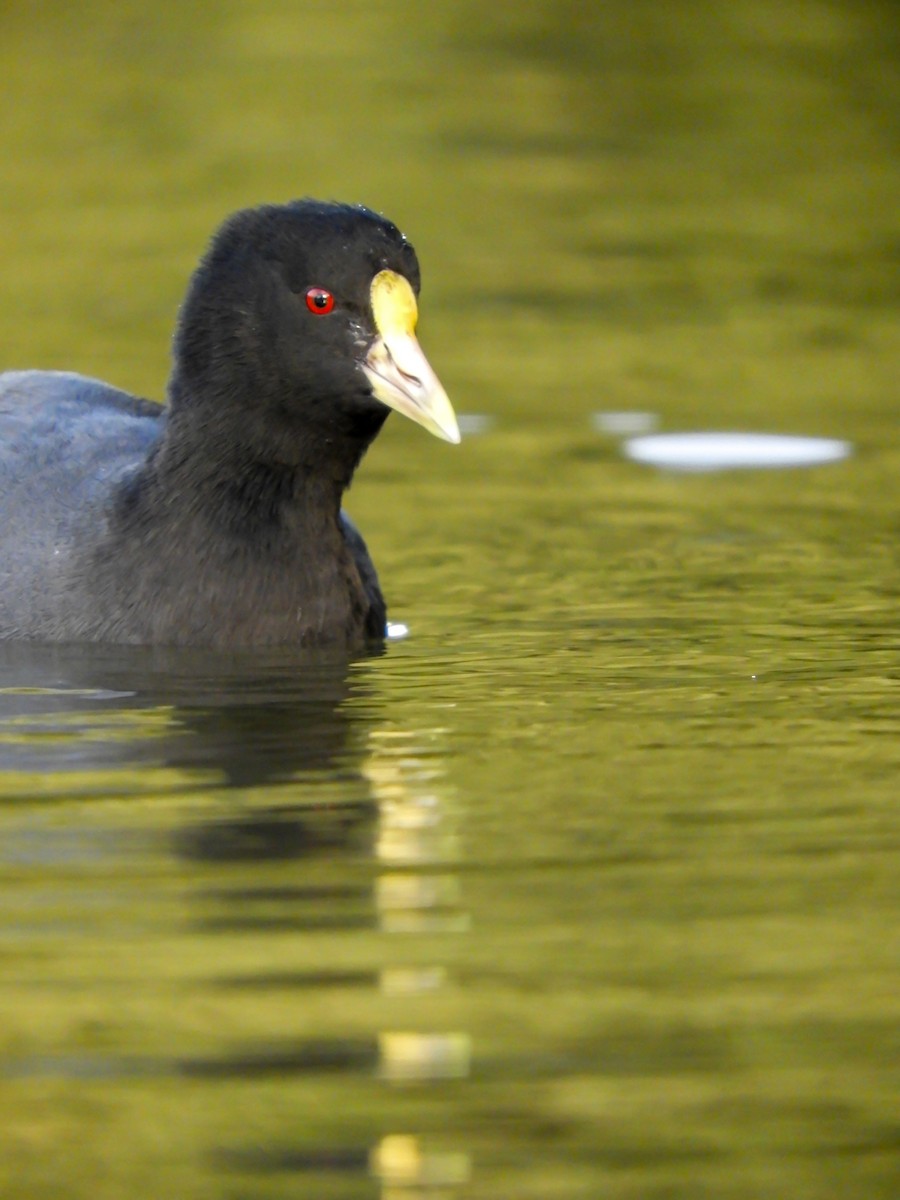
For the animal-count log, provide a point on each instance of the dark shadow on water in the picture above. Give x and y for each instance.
(286, 832)
(320, 1056)
(240, 721)
(320, 1160)
(255, 716)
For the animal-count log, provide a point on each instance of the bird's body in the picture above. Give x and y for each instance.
(217, 519)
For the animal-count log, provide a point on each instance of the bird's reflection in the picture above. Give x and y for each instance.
(301, 813)
(235, 725)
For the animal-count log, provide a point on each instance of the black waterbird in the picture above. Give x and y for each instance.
(216, 520)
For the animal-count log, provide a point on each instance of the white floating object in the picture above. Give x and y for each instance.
(396, 631)
(624, 422)
(733, 451)
(475, 423)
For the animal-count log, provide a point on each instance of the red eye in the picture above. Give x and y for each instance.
(319, 301)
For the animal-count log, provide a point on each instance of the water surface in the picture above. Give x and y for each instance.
(588, 887)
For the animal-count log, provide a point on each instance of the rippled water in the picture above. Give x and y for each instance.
(588, 887)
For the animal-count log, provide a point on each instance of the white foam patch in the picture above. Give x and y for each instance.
(733, 451)
(396, 631)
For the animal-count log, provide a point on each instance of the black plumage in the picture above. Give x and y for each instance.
(217, 519)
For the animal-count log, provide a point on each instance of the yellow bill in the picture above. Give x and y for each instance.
(396, 368)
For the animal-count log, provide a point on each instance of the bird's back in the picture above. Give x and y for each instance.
(65, 442)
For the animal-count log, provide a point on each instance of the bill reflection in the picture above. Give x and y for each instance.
(337, 888)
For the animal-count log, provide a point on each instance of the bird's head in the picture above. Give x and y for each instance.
(304, 315)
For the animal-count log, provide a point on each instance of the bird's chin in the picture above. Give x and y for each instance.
(370, 414)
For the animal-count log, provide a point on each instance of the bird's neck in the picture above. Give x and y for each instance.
(244, 495)
(210, 440)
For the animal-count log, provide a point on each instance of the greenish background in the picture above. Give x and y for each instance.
(626, 797)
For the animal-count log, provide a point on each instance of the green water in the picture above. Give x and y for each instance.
(589, 887)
